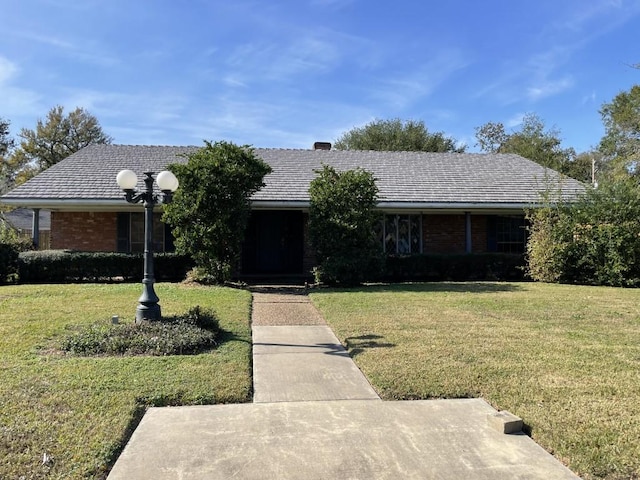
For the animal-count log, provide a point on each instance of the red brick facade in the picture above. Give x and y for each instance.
(84, 231)
(447, 233)
(97, 231)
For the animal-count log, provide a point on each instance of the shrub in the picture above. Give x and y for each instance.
(594, 241)
(342, 219)
(8, 263)
(191, 333)
(11, 244)
(462, 267)
(209, 211)
(63, 266)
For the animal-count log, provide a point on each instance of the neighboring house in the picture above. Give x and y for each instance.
(433, 202)
(21, 219)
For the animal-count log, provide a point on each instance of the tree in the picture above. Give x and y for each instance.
(621, 142)
(53, 140)
(6, 145)
(532, 141)
(6, 142)
(396, 135)
(210, 210)
(342, 219)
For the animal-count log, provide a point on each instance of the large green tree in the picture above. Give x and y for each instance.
(532, 141)
(54, 139)
(396, 135)
(211, 207)
(342, 219)
(621, 142)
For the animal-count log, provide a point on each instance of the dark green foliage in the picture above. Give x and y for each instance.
(194, 332)
(397, 135)
(463, 267)
(8, 263)
(210, 210)
(11, 244)
(594, 241)
(342, 218)
(64, 266)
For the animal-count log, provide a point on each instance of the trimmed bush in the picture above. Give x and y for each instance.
(194, 332)
(64, 266)
(342, 219)
(463, 267)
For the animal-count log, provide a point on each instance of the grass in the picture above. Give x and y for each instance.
(81, 410)
(564, 358)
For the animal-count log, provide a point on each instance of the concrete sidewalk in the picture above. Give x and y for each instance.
(315, 416)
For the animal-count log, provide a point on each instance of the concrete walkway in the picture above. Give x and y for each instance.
(316, 416)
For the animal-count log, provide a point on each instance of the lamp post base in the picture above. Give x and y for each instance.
(148, 313)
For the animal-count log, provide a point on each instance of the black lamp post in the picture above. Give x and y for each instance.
(148, 309)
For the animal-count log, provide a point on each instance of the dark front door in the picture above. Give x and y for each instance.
(273, 243)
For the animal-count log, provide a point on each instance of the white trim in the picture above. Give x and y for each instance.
(121, 205)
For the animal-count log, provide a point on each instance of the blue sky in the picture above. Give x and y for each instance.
(288, 73)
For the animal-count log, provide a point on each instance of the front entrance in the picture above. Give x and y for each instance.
(274, 243)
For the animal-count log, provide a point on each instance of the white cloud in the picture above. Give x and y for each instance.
(400, 90)
(515, 120)
(547, 88)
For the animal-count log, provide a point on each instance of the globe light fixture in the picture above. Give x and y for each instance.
(148, 307)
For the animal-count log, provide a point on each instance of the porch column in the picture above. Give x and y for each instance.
(467, 232)
(35, 228)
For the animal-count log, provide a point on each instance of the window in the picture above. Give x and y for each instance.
(401, 234)
(507, 234)
(131, 233)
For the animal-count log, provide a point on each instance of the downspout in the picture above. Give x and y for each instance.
(467, 231)
(35, 228)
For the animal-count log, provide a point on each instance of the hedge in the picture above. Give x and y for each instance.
(65, 266)
(464, 267)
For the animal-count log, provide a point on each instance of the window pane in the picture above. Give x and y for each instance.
(404, 242)
(137, 232)
(390, 242)
(415, 233)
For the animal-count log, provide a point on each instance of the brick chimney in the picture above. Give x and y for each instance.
(322, 146)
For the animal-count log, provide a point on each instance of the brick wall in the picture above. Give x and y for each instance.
(447, 233)
(443, 233)
(479, 233)
(84, 231)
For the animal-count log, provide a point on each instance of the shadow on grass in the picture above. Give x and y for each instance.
(427, 287)
(361, 343)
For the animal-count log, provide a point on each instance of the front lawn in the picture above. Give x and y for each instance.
(564, 358)
(79, 411)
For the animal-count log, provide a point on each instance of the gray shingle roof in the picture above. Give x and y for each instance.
(417, 179)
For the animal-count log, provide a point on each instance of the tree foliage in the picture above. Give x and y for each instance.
(621, 142)
(6, 145)
(53, 140)
(532, 141)
(342, 219)
(397, 135)
(211, 207)
(595, 240)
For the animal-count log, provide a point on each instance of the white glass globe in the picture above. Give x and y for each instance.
(167, 181)
(127, 179)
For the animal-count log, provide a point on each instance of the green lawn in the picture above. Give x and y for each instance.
(80, 411)
(564, 358)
